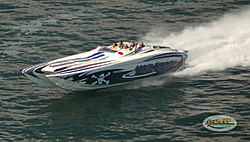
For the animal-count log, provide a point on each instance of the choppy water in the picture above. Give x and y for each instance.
(216, 81)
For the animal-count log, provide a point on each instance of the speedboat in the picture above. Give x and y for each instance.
(102, 67)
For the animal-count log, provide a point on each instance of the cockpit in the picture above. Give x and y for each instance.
(127, 52)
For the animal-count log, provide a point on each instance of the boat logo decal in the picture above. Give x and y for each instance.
(158, 67)
(143, 69)
(149, 69)
(219, 123)
(100, 79)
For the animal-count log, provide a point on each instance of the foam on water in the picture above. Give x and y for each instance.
(154, 81)
(221, 44)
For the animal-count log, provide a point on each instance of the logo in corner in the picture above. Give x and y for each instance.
(219, 123)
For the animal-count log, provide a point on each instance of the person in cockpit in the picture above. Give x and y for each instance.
(126, 47)
(140, 47)
(117, 47)
(114, 47)
(133, 46)
(120, 44)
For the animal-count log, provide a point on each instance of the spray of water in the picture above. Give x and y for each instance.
(154, 81)
(221, 44)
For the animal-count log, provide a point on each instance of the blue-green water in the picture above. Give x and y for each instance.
(216, 80)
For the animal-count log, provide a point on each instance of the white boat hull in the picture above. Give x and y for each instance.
(98, 69)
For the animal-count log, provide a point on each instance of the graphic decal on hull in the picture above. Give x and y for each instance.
(100, 79)
(114, 76)
(144, 69)
(158, 67)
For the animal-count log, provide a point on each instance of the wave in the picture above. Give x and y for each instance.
(220, 44)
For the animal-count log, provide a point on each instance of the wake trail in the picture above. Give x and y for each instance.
(221, 44)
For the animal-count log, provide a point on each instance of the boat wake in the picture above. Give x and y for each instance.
(215, 46)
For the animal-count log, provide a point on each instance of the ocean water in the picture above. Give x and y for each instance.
(214, 82)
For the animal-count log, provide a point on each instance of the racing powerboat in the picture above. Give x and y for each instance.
(102, 67)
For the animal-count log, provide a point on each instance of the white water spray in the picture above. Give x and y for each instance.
(218, 45)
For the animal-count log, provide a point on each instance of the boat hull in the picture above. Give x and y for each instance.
(34, 73)
(100, 68)
(118, 74)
